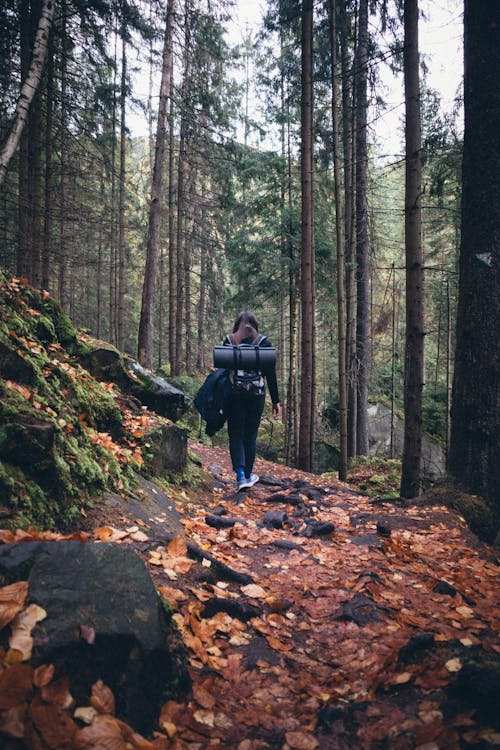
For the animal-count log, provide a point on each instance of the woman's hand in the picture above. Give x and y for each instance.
(276, 411)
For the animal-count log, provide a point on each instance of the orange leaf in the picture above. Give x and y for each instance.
(177, 547)
(55, 726)
(12, 600)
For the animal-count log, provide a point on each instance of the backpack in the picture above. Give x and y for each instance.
(250, 382)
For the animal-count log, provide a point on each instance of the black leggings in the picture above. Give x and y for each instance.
(245, 413)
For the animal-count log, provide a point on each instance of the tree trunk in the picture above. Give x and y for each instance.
(350, 254)
(475, 420)
(172, 249)
(181, 240)
(414, 347)
(63, 250)
(306, 433)
(112, 211)
(339, 227)
(145, 338)
(47, 217)
(29, 87)
(24, 254)
(362, 240)
(122, 251)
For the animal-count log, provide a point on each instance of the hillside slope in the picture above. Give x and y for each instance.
(313, 616)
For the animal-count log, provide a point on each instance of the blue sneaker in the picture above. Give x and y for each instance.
(248, 482)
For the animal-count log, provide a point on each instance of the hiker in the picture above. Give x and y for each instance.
(246, 402)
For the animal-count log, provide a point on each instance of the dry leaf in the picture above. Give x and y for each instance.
(102, 698)
(12, 721)
(87, 714)
(12, 600)
(23, 624)
(253, 590)
(16, 685)
(301, 740)
(43, 675)
(178, 547)
(453, 665)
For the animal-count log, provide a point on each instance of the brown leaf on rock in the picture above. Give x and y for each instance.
(24, 622)
(13, 720)
(58, 693)
(16, 685)
(108, 733)
(43, 675)
(12, 599)
(102, 698)
(55, 726)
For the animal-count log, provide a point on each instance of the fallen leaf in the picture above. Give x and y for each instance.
(102, 698)
(23, 624)
(253, 590)
(177, 547)
(453, 665)
(301, 740)
(43, 675)
(16, 685)
(12, 600)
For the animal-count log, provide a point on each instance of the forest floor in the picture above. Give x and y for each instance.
(333, 621)
(365, 623)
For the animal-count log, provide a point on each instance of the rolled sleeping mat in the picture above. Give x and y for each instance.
(245, 357)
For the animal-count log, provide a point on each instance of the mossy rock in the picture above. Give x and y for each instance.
(16, 366)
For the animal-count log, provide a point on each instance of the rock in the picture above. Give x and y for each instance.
(105, 362)
(274, 519)
(28, 441)
(433, 463)
(165, 448)
(13, 366)
(104, 620)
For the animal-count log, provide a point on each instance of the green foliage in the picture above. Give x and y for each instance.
(376, 476)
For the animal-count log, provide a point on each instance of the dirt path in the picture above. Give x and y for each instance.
(350, 624)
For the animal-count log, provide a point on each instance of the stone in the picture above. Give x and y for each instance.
(433, 464)
(167, 449)
(104, 620)
(105, 362)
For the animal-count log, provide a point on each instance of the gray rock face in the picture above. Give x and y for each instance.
(104, 620)
(379, 438)
(106, 362)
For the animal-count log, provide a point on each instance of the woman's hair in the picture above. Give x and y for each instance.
(246, 318)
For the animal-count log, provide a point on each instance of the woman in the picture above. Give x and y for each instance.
(246, 406)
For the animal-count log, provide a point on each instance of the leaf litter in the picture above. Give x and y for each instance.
(352, 632)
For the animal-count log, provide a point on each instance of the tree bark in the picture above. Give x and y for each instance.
(29, 87)
(47, 218)
(122, 250)
(172, 249)
(145, 338)
(349, 204)
(339, 228)
(362, 239)
(475, 414)
(414, 346)
(306, 432)
(63, 250)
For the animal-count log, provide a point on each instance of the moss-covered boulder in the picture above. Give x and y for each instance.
(62, 439)
(105, 362)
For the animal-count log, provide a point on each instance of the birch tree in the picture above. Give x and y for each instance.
(29, 87)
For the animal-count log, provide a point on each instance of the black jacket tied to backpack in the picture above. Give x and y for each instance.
(212, 398)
